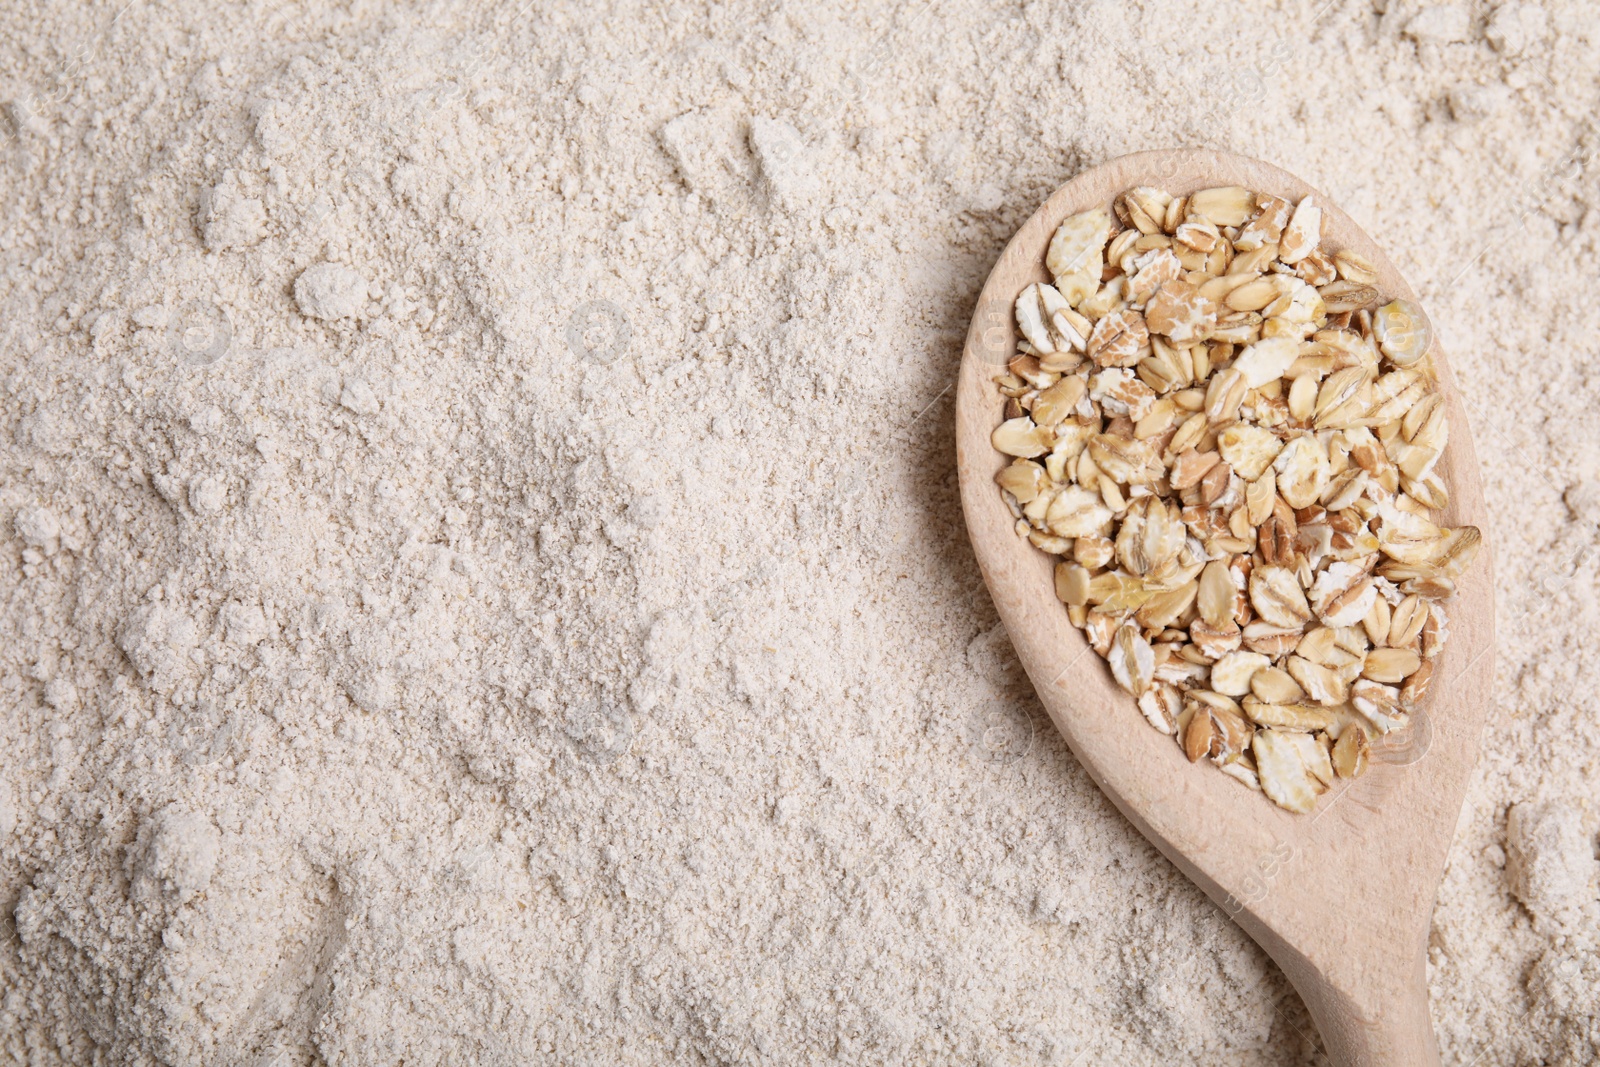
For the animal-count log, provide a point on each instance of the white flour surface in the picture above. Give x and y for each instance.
(481, 576)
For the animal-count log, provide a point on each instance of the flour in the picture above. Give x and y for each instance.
(484, 580)
(330, 291)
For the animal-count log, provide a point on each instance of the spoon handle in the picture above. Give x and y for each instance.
(1389, 1026)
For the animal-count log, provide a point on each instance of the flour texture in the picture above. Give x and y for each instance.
(481, 572)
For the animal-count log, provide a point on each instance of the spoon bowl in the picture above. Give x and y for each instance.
(1340, 898)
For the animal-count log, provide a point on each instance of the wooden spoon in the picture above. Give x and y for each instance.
(1340, 898)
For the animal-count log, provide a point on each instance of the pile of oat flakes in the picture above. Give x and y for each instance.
(1231, 440)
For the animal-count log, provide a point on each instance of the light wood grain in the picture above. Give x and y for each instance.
(1341, 898)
